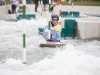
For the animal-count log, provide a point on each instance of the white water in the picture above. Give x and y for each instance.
(76, 58)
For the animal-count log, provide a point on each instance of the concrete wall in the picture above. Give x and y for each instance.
(10, 17)
(5, 9)
(88, 30)
(29, 9)
(5, 16)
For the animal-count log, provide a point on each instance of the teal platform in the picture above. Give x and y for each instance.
(69, 28)
(40, 31)
(28, 16)
(72, 14)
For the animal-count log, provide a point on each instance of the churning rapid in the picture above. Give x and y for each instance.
(76, 58)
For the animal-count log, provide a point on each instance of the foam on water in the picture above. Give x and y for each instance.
(66, 62)
(76, 58)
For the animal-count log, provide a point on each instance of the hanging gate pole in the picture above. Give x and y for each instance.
(49, 19)
(69, 1)
(60, 12)
(24, 32)
(72, 9)
(40, 6)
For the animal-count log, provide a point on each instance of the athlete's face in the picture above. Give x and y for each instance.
(55, 22)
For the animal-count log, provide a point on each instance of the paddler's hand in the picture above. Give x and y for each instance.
(58, 27)
(45, 33)
(54, 4)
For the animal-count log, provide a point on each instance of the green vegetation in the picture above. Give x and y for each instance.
(84, 3)
(92, 3)
(77, 2)
(8, 2)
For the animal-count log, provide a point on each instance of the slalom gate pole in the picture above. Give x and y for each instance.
(49, 19)
(41, 6)
(72, 9)
(60, 12)
(24, 32)
(69, 1)
(16, 9)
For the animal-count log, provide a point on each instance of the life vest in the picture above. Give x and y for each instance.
(54, 32)
(58, 27)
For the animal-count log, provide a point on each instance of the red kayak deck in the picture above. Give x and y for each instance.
(52, 44)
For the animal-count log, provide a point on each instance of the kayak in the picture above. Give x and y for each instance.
(52, 44)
